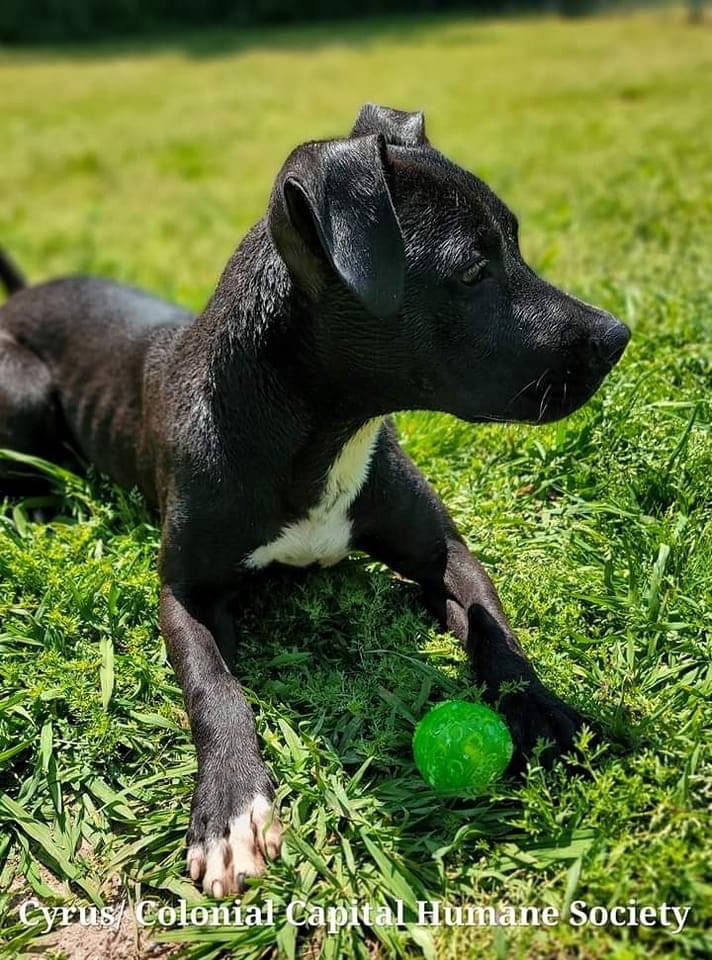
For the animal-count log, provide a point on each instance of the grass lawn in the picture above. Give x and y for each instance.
(148, 164)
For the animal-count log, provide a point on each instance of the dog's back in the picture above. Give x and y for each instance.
(62, 343)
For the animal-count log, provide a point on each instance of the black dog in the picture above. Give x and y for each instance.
(383, 278)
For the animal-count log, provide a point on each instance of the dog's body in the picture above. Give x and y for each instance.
(382, 278)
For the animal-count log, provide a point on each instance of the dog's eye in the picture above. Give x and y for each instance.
(474, 273)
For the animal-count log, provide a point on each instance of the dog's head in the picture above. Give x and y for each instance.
(419, 294)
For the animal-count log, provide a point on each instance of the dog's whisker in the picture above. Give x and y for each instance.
(524, 388)
(484, 416)
(543, 405)
(539, 381)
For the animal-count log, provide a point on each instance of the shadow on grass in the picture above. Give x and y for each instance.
(230, 39)
(349, 657)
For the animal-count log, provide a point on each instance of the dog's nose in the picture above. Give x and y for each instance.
(611, 342)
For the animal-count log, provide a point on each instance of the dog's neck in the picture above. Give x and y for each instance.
(259, 332)
(261, 328)
(253, 297)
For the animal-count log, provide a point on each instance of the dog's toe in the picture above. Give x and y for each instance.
(196, 861)
(222, 864)
(536, 715)
(266, 827)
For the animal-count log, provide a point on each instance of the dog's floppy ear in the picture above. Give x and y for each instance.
(331, 205)
(397, 126)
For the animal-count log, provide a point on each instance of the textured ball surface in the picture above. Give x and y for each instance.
(461, 748)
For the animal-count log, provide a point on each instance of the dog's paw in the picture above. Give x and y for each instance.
(534, 714)
(223, 850)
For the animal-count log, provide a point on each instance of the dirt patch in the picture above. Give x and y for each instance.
(124, 940)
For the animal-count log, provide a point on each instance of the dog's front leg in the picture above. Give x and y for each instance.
(465, 601)
(232, 827)
(399, 519)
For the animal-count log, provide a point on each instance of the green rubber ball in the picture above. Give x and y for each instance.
(461, 748)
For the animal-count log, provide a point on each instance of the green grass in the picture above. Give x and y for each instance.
(148, 164)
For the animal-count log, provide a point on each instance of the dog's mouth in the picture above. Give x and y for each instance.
(553, 395)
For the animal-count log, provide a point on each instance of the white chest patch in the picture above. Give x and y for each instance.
(323, 536)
